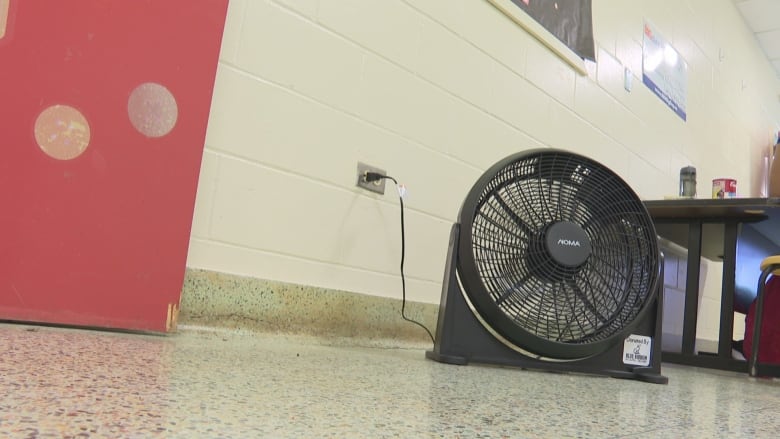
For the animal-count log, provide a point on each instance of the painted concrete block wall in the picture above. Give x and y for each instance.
(435, 91)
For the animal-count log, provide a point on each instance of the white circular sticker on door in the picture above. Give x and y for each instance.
(152, 109)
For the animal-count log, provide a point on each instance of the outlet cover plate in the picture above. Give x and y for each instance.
(374, 186)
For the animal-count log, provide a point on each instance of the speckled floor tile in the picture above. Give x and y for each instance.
(230, 384)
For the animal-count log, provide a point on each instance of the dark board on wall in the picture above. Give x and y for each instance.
(569, 20)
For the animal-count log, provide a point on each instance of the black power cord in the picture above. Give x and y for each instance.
(374, 176)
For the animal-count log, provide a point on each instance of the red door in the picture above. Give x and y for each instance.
(103, 113)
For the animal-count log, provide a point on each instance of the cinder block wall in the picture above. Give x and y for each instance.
(435, 91)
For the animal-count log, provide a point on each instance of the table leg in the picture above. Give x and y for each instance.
(727, 292)
(691, 312)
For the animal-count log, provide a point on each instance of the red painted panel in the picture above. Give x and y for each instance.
(95, 231)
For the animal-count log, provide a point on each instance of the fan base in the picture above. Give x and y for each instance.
(449, 359)
(649, 375)
(644, 374)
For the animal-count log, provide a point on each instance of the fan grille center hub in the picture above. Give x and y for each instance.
(568, 244)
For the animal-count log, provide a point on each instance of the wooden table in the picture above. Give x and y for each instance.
(712, 228)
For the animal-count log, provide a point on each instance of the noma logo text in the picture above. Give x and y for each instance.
(569, 243)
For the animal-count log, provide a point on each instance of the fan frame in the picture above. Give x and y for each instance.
(491, 316)
(462, 339)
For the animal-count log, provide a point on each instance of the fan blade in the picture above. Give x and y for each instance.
(585, 301)
(508, 292)
(517, 220)
(494, 223)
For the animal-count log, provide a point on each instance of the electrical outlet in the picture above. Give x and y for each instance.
(373, 186)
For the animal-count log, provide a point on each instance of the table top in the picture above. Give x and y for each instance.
(671, 218)
(712, 210)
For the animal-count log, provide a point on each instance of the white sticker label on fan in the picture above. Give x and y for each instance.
(637, 349)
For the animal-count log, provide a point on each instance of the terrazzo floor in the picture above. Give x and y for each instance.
(229, 384)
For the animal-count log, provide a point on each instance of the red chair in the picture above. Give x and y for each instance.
(765, 309)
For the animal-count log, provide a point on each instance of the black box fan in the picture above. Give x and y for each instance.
(554, 265)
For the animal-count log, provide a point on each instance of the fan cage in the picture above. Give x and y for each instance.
(515, 283)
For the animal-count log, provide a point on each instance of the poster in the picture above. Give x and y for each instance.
(569, 20)
(664, 71)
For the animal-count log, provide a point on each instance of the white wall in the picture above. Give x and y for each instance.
(435, 91)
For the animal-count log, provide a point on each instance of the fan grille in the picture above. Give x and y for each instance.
(525, 282)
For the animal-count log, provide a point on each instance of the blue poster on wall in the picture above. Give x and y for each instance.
(664, 71)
